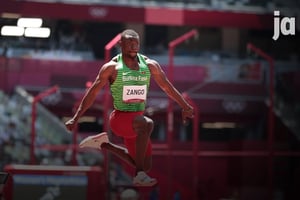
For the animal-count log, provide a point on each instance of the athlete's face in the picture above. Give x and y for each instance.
(130, 46)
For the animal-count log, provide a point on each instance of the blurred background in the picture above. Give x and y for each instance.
(243, 142)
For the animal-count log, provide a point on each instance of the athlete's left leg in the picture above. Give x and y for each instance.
(143, 127)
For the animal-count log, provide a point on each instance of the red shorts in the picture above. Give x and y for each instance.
(121, 125)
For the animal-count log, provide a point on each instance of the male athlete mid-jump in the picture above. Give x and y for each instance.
(128, 75)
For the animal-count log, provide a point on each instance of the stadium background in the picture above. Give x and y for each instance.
(225, 62)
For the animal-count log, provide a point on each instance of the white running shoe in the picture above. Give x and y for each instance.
(142, 179)
(94, 141)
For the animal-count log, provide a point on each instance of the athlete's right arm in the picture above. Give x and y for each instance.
(88, 99)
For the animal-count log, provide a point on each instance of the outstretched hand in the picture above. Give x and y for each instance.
(186, 115)
(70, 124)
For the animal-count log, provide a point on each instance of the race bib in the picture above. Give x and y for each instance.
(134, 93)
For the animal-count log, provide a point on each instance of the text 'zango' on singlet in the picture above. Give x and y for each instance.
(129, 90)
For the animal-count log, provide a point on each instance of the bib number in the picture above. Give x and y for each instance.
(134, 93)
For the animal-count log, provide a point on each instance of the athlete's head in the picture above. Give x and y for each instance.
(130, 43)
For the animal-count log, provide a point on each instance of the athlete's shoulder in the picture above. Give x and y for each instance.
(113, 62)
(144, 57)
(148, 60)
(153, 66)
(108, 67)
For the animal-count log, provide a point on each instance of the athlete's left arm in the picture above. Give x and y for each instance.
(161, 79)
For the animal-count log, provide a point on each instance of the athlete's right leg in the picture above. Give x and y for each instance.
(129, 153)
(119, 151)
(101, 141)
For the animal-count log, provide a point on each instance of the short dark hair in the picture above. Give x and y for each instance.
(129, 33)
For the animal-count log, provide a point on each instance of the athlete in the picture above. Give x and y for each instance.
(128, 75)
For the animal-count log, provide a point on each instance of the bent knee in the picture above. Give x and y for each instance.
(142, 124)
